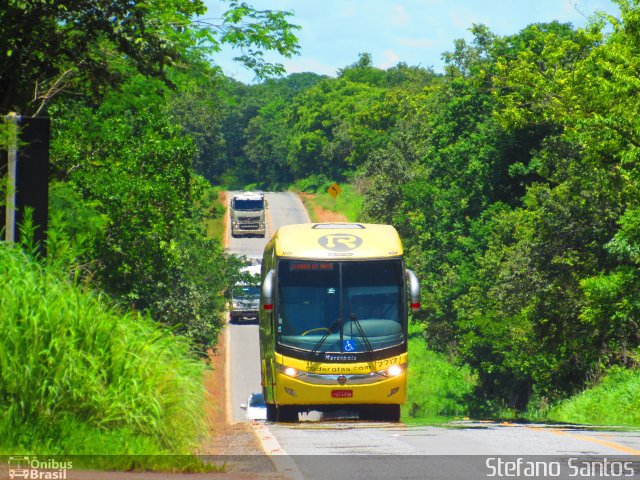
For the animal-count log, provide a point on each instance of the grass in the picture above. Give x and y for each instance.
(215, 222)
(348, 202)
(614, 401)
(79, 377)
(437, 389)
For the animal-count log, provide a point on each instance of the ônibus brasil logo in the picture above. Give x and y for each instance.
(340, 242)
(30, 468)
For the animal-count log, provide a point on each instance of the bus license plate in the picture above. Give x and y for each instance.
(342, 393)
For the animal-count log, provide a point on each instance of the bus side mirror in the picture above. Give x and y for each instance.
(267, 290)
(414, 290)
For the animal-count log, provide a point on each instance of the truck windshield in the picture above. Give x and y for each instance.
(246, 292)
(344, 307)
(240, 204)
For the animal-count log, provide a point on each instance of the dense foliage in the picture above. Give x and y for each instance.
(614, 401)
(513, 179)
(132, 164)
(132, 94)
(77, 376)
(435, 387)
(131, 90)
(53, 47)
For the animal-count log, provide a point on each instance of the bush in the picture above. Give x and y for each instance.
(436, 386)
(143, 241)
(79, 377)
(614, 401)
(348, 202)
(312, 184)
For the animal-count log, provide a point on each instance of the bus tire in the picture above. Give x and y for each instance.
(392, 413)
(380, 413)
(272, 412)
(287, 414)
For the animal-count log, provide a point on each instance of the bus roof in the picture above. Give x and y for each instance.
(337, 240)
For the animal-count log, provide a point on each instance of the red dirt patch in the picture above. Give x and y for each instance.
(225, 438)
(238, 439)
(235, 441)
(318, 213)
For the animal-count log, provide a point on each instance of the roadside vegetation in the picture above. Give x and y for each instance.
(613, 401)
(512, 177)
(348, 201)
(513, 181)
(78, 376)
(437, 388)
(215, 216)
(315, 189)
(105, 340)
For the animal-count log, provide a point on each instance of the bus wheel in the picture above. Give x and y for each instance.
(380, 413)
(392, 413)
(287, 414)
(272, 412)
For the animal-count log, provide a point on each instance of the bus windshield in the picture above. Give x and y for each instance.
(345, 307)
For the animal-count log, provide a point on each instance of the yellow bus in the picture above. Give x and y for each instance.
(334, 307)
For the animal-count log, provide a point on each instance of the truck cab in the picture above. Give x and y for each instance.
(245, 296)
(247, 214)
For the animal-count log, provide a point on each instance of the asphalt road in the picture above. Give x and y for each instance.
(244, 352)
(377, 450)
(283, 209)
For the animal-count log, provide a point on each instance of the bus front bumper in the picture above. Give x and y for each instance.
(354, 391)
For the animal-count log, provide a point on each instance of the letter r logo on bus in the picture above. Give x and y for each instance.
(340, 242)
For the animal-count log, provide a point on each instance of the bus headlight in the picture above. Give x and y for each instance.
(394, 370)
(290, 372)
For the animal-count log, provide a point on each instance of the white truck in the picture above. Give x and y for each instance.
(245, 296)
(247, 214)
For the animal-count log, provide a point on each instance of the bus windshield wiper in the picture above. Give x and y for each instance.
(354, 318)
(338, 321)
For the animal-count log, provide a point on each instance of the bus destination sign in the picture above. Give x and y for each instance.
(310, 266)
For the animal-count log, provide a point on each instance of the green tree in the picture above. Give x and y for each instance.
(122, 151)
(557, 268)
(48, 47)
(54, 47)
(198, 106)
(135, 170)
(334, 125)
